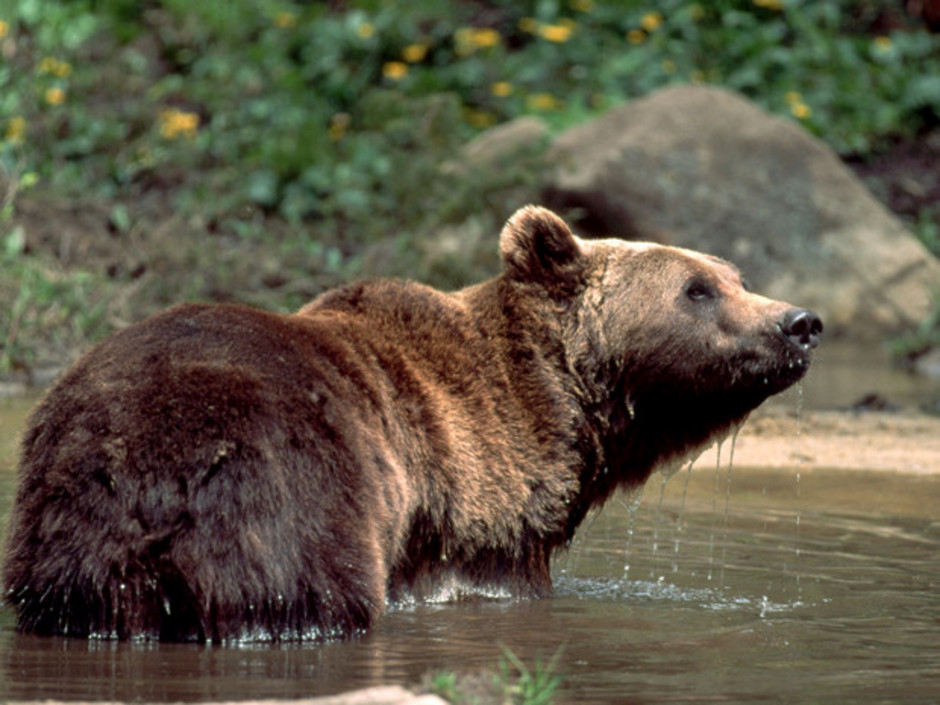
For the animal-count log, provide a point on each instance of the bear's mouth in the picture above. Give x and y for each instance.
(793, 370)
(786, 366)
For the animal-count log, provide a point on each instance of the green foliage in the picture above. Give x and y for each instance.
(926, 336)
(927, 228)
(514, 683)
(63, 309)
(446, 685)
(345, 117)
(535, 686)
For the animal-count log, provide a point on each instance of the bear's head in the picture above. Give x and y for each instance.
(668, 348)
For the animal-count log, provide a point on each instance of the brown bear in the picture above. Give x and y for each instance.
(218, 473)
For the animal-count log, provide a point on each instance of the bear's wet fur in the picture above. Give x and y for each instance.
(219, 473)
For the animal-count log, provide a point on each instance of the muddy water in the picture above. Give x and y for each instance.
(745, 585)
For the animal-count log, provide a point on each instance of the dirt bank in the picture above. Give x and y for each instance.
(906, 442)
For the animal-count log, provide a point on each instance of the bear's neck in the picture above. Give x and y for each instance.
(644, 430)
(560, 415)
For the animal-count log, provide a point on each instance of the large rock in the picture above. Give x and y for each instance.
(505, 142)
(704, 168)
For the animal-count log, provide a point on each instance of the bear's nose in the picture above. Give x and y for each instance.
(802, 326)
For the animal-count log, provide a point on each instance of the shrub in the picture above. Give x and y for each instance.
(345, 117)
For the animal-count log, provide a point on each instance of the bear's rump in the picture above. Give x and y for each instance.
(213, 502)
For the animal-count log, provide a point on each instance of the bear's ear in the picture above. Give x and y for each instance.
(538, 247)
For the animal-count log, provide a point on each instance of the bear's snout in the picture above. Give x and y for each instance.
(802, 327)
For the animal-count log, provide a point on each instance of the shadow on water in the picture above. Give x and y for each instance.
(762, 586)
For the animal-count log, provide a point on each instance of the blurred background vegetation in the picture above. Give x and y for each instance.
(262, 150)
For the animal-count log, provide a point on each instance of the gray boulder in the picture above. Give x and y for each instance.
(702, 167)
(502, 144)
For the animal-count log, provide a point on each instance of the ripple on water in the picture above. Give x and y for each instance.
(639, 592)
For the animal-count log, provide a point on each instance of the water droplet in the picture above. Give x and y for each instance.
(632, 505)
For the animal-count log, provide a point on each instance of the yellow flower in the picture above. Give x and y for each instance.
(529, 25)
(339, 123)
(16, 130)
(480, 119)
(4, 29)
(883, 43)
(394, 70)
(501, 89)
(556, 32)
(469, 39)
(178, 123)
(651, 21)
(775, 5)
(415, 53)
(486, 37)
(801, 110)
(285, 20)
(55, 96)
(636, 36)
(365, 30)
(62, 69)
(581, 5)
(543, 101)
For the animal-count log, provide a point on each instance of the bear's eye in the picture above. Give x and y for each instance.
(698, 290)
(745, 284)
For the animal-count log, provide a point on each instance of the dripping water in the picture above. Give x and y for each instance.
(711, 537)
(661, 519)
(724, 533)
(799, 467)
(632, 504)
(719, 536)
(658, 519)
(573, 546)
(685, 493)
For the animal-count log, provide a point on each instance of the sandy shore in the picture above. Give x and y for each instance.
(896, 442)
